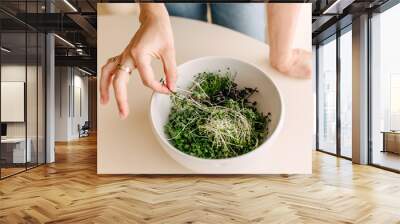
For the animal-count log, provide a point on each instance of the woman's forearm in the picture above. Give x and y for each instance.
(282, 19)
(152, 10)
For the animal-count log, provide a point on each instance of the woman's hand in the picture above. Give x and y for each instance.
(297, 64)
(282, 23)
(154, 39)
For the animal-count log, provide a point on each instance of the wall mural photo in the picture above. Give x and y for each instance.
(220, 98)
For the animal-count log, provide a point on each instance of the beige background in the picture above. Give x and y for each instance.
(129, 146)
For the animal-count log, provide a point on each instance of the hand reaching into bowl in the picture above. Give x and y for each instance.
(154, 39)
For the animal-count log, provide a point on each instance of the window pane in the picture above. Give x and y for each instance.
(15, 150)
(31, 100)
(23, 90)
(385, 114)
(327, 97)
(346, 94)
(41, 98)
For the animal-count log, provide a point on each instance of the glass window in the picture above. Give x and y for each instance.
(15, 150)
(22, 92)
(327, 96)
(394, 101)
(31, 100)
(385, 89)
(346, 94)
(41, 79)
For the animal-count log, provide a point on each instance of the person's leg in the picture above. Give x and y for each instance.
(188, 10)
(247, 18)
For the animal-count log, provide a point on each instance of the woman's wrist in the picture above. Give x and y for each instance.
(281, 60)
(150, 11)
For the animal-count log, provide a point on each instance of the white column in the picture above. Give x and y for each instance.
(50, 99)
(360, 90)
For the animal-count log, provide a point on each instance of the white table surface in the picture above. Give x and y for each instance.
(129, 146)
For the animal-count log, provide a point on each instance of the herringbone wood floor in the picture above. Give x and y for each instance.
(69, 191)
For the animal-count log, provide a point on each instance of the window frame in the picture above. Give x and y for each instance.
(381, 9)
(26, 30)
(334, 37)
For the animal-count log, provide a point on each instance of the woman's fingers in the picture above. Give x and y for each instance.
(118, 71)
(107, 72)
(169, 63)
(120, 84)
(143, 64)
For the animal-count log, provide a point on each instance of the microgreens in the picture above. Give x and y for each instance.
(215, 119)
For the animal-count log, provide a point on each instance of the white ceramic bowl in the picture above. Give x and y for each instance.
(268, 100)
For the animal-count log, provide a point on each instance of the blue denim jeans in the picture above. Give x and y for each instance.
(247, 18)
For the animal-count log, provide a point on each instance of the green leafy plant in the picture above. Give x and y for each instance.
(215, 119)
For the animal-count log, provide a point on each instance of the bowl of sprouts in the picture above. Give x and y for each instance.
(223, 115)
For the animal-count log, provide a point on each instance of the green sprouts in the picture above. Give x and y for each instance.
(215, 119)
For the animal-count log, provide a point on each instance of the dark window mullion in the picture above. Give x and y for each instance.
(37, 91)
(338, 91)
(317, 95)
(369, 90)
(26, 89)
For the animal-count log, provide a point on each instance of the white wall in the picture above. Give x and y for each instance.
(70, 81)
(80, 84)
(62, 82)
